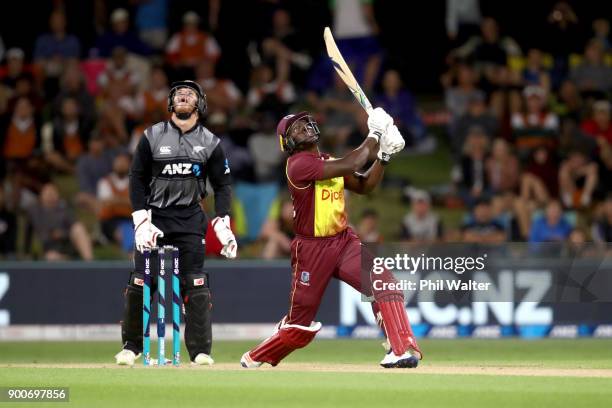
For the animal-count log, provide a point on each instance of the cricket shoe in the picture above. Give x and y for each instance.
(247, 362)
(126, 357)
(203, 359)
(409, 359)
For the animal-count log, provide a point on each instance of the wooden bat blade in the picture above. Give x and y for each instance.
(342, 69)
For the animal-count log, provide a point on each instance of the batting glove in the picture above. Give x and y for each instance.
(391, 143)
(221, 225)
(145, 233)
(378, 123)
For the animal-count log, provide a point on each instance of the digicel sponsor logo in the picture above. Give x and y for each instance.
(331, 195)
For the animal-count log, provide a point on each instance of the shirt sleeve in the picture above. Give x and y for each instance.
(220, 177)
(140, 174)
(304, 168)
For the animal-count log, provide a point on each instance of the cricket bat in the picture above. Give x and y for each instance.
(343, 70)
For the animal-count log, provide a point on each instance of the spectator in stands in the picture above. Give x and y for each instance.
(237, 154)
(53, 50)
(64, 138)
(151, 23)
(120, 36)
(187, 48)
(577, 180)
(593, 77)
(277, 231)
(263, 146)
(421, 224)
(400, 104)
(26, 88)
(490, 51)
(567, 103)
(21, 139)
(473, 180)
(534, 73)
(539, 182)
(341, 114)
(507, 211)
(72, 85)
(562, 39)
(54, 224)
(90, 168)
(481, 227)
(284, 50)
(601, 32)
(571, 138)
(552, 226)
(355, 30)
(599, 125)
(118, 72)
(457, 97)
(463, 19)
(8, 229)
(477, 114)
(502, 167)
(368, 229)
(15, 67)
(113, 196)
(601, 230)
(267, 94)
(221, 94)
(119, 109)
(536, 126)
(152, 102)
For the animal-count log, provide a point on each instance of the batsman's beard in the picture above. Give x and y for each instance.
(184, 115)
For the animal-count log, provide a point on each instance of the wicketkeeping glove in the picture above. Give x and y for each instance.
(145, 233)
(378, 123)
(221, 225)
(391, 142)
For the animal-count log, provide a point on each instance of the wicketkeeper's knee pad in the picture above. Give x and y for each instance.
(198, 323)
(286, 338)
(392, 314)
(131, 325)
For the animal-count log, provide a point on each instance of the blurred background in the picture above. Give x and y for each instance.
(505, 108)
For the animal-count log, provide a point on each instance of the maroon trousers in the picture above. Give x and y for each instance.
(314, 261)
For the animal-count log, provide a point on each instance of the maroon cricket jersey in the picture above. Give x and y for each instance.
(318, 204)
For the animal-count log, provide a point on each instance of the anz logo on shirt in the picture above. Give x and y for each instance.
(172, 169)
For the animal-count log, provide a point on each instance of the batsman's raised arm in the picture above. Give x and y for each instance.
(390, 143)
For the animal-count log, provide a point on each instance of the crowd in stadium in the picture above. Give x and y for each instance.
(529, 131)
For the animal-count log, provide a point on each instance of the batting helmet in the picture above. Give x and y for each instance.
(201, 105)
(287, 144)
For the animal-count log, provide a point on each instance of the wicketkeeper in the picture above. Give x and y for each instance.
(168, 177)
(325, 246)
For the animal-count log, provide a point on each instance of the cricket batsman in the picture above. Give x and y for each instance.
(168, 177)
(325, 246)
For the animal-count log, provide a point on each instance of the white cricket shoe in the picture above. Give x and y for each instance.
(409, 359)
(247, 362)
(203, 359)
(126, 357)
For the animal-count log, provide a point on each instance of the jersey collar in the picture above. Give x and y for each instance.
(179, 129)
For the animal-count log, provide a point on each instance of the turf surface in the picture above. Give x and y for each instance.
(95, 382)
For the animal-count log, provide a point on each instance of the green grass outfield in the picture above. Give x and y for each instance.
(334, 373)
